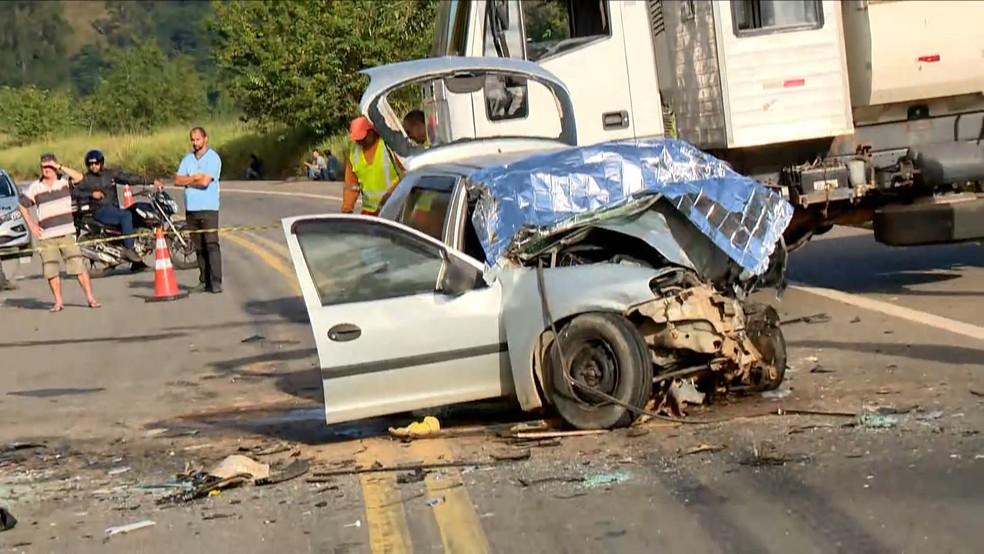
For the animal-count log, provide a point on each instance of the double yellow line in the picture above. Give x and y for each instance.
(385, 514)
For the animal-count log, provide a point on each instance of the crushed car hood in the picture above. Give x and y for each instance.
(522, 203)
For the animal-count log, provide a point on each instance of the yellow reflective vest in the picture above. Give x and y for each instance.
(375, 178)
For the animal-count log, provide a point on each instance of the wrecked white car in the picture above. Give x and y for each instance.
(587, 280)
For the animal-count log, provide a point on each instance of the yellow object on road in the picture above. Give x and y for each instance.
(429, 427)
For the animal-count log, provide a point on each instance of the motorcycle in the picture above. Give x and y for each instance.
(157, 211)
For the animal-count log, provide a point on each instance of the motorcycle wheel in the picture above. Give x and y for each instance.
(182, 257)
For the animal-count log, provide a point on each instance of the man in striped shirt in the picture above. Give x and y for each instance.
(54, 229)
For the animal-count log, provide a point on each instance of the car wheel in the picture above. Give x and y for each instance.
(763, 330)
(604, 352)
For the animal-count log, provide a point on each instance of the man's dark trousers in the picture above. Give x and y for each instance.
(111, 215)
(206, 246)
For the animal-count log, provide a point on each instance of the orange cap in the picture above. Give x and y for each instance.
(359, 128)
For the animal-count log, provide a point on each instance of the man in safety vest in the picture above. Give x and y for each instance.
(370, 169)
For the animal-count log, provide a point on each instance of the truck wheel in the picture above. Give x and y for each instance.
(763, 330)
(604, 352)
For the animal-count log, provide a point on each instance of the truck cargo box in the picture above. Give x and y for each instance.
(906, 51)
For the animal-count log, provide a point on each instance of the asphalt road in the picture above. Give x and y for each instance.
(128, 395)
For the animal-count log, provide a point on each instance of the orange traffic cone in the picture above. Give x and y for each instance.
(165, 284)
(127, 196)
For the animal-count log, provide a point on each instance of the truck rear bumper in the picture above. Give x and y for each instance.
(957, 220)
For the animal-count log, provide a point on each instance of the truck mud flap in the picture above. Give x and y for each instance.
(930, 223)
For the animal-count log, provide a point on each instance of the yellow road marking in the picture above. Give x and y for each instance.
(385, 518)
(272, 245)
(457, 521)
(276, 262)
(461, 530)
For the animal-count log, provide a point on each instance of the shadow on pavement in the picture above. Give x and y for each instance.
(50, 393)
(26, 303)
(859, 264)
(290, 308)
(306, 423)
(122, 340)
(930, 352)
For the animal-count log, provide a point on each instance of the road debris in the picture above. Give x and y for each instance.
(927, 416)
(603, 479)
(123, 529)
(435, 501)
(429, 427)
(759, 457)
(415, 476)
(976, 392)
(237, 464)
(557, 434)
(357, 523)
(7, 520)
(513, 454)
(683, 392)
(253, 338)
(293, 470)
(820, 369)
(554, 479)
(808, 319)
(882, 417)
(118, 470)
(379, 468)
(703, 448)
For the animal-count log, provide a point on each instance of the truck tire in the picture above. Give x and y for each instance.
(604, 351)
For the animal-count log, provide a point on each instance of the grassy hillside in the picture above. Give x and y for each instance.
(158, 153)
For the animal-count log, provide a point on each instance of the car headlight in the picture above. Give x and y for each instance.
(11, 216)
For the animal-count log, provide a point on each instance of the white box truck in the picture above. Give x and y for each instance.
(858, 111)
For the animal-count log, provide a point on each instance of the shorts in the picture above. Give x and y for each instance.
(57, 249)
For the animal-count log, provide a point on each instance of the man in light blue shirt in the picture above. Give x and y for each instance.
(199, 174)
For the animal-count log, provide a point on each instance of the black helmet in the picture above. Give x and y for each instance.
(94, 156)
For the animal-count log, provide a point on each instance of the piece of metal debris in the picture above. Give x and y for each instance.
(253, 338)
(559, 479)
(123, 529)
(808, 319)
(704, 448)
(293, 470)
(603, 479)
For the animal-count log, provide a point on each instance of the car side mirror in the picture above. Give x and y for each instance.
(457, 276)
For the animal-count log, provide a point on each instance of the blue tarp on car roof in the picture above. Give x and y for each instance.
(543, 193)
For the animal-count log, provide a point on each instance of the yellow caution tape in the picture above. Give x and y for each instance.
(228, 229)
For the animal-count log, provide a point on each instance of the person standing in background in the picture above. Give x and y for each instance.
(54, 229)
(199, 173)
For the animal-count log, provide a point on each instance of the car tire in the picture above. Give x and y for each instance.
(604, 351)
(762, 326)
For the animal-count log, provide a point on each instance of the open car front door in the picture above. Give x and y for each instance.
(401, 322)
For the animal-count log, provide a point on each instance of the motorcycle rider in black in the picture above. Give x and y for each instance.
(99, 185)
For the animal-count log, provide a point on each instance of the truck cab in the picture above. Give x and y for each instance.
(858, 112)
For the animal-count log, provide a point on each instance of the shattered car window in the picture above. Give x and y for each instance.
(351, 261)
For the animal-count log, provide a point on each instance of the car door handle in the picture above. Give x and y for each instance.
(615, 120)
(344, 332)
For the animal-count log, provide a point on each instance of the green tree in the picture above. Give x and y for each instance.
(29, 113)
(143, 89)
(292, 61)
(32, 44)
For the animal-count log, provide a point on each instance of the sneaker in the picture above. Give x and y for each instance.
(216, 289)
(202, 287)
